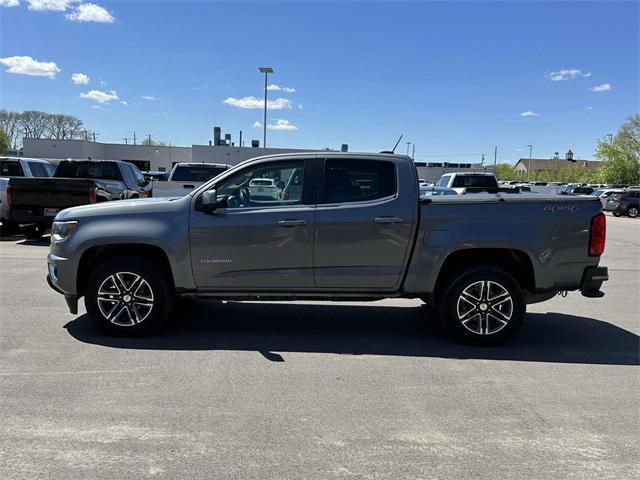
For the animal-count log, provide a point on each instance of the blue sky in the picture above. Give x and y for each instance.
(454, 77)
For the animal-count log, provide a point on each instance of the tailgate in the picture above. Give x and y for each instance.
(49, 193)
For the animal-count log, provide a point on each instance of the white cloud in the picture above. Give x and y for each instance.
(277, 88)
(28, 66)
(254, 103)
(149, 98)
(528, 113)
(604, 87)
(49, 5)
(124, 102)
(566, 74)
(90, 12)
(257, 125)
(588, 108)
(9, 3)
(282, 125)
(100, 96)
(80, 79)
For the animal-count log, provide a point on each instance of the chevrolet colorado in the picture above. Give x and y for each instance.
(353, 228)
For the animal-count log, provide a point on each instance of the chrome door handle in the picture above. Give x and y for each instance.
(291, 223)
(387, 220)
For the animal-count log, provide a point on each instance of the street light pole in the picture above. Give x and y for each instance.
(266, 71)
(529, 167)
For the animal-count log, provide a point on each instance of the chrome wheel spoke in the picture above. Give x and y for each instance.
(484, 307)
(125, 298)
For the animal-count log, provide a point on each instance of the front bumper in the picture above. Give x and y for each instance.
(592, 280)
(58, 276)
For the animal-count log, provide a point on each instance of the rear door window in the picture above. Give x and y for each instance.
(358, 180)
(470, 181)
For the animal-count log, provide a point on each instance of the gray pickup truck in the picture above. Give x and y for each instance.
(344, 227)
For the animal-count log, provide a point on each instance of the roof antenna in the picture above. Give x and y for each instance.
(394, 147)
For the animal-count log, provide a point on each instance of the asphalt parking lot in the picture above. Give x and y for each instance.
(317, 391)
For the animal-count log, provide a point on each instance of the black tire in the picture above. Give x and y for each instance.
(616, 214)
(633, 212)
(34, 232)
(8, 228)
(124, 306)
(491, 316)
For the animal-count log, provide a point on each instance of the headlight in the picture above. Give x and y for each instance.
(62, 230)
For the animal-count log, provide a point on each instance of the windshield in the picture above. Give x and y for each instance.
(188, 173)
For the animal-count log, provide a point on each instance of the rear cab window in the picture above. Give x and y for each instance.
(89, 169)
(358, 180)
(9, 168)
(470, 181)
(196, 173)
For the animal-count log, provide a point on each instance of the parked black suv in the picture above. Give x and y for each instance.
(627, 203)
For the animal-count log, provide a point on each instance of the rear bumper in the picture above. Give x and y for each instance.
(592, 280)
(27, 216)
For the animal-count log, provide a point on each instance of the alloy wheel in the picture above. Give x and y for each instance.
(633, 212)
(125, 299)
(484, 307)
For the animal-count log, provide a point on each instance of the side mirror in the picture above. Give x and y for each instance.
(209, 201)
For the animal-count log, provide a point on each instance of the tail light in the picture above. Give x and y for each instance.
(597, 235)
(8, 190)
(93, 195)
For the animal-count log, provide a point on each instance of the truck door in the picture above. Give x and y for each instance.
(259, 238)
(364, 224)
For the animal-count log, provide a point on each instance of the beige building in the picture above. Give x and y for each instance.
(532, 165)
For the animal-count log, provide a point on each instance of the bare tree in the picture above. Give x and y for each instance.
(65, 127)
(34, 124)
(10, 123)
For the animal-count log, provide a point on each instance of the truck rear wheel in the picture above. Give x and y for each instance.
(34, 232)
(128, 296)
(483, 305)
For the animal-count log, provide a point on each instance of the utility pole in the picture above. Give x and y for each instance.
(495, 156)
(240, 143)
(413, 154)
(94, 137)
(610, 137)
(266, 71)
(149, 137)
(134, 137)
(408, 143)
(529, 167)
(125, 140)
(482, 161)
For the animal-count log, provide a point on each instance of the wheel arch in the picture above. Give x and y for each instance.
(94, 256)
(514, 261)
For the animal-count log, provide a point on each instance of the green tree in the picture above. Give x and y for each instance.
(505, 171)
(621, 158)
(5, 141)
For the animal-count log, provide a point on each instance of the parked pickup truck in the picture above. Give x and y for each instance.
(464, 183)
(185, 177)
(34, 202)
(356, 229)
(17, 167)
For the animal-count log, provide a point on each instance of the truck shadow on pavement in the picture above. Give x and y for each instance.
(369, 330)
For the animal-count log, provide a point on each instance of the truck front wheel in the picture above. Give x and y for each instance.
(128, 296)
(483, 306)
